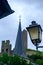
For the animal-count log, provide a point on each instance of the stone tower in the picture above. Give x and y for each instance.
(6, 47)
(25, 38)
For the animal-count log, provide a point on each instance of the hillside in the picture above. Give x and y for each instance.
(30, 52)
(35, 57)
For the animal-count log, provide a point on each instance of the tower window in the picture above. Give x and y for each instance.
(6, 50)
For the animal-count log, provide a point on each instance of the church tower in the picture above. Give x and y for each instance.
(24, 32)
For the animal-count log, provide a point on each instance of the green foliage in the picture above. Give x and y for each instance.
(30, 63)
(12, 60)
(39, 62)
(3, 59)
(36, 58)
(17, 60)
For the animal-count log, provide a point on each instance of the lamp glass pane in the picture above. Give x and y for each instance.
(33, 33)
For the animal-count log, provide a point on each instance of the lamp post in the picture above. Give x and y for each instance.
(35, 32)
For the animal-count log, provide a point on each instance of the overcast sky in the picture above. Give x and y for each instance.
(29, 10)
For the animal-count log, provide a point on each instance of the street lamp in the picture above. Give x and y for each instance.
(5, 9)
(35, 32)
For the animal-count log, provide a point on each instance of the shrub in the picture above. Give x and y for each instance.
(39, 62)
(35, 57)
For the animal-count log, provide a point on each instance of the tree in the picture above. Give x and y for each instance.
(17, 60)
(12, 60)
(5, 58)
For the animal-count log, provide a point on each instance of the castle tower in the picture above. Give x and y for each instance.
(6, 47)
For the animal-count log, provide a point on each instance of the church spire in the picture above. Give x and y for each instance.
(20, 18)
(19, 46)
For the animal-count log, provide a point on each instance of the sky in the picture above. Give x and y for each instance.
(29, 10)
